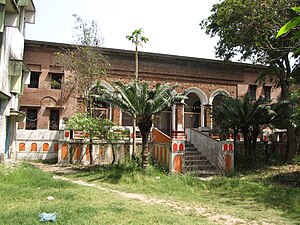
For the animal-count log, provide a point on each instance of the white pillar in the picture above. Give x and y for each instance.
(174, 117)
(110, 113)
(202, 115)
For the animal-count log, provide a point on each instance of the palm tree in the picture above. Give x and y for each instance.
(247, 116)
(137, 39)
(227, 116)
(142, 103)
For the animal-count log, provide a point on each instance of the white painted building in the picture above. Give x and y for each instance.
(13, 71)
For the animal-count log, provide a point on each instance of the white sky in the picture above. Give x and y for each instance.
(172, 26)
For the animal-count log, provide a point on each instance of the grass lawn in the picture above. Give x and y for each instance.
(270, 195)
(259, 196)
(24, 191)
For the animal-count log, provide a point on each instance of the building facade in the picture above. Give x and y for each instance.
(14, 73)
(205, 81)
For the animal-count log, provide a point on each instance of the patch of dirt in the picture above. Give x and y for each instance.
(205, 212)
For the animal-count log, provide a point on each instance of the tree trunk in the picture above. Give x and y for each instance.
(132, 155)
(91, 151)
(145, 136)
(292, 143)
(246, 144)
(297, 137)
(284, 75)
(71, 153)
(145, 127)
(253, 146)
(113, 155)
(235, 133)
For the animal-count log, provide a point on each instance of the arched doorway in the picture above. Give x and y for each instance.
(192, 112)
(216, 101)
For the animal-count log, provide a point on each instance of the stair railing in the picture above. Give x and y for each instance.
(209, 147)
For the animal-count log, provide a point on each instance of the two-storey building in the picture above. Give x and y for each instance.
(47, 106)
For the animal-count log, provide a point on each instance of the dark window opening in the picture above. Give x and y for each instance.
(163, 122)
(100, 109)
(31, 119)
(252, 91)
(192, 120)
(267, 92)
(54, 120)
(127, 119)
(56, 79)
(100, 113)
(34, 80)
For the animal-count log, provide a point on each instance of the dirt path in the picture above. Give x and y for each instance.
(205, 212)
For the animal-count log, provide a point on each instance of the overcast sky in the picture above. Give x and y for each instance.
(172, 26)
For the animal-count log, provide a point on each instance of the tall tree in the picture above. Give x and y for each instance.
(137, 39)
(137, 99)
(247, 29)
(84, 62)
(247, 116)
(292, 28)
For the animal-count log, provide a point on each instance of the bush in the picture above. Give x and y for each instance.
(296, 160)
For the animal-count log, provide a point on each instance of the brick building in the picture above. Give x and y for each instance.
(204, 80)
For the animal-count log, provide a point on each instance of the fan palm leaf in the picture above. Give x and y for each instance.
(141, 102)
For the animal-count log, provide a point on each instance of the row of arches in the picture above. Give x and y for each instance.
(197, 110)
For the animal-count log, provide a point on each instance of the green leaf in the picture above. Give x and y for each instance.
(288, 26)
(296, 36)
(297, 9)
(297, 52)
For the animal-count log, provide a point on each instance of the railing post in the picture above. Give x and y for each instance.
(228, 156)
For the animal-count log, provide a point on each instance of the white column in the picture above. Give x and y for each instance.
(174, 117)
(202, 115)
(110, 113)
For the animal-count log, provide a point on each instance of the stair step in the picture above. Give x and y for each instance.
(197, 164)
(190, 148)
(199, 167)
(187, 152)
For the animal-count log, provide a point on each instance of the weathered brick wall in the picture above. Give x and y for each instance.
(207, 75)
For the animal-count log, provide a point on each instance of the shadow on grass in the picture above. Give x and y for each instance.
(276, 187)
(285, 192)
(290, 179)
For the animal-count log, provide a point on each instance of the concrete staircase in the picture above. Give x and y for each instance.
(196, 164)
